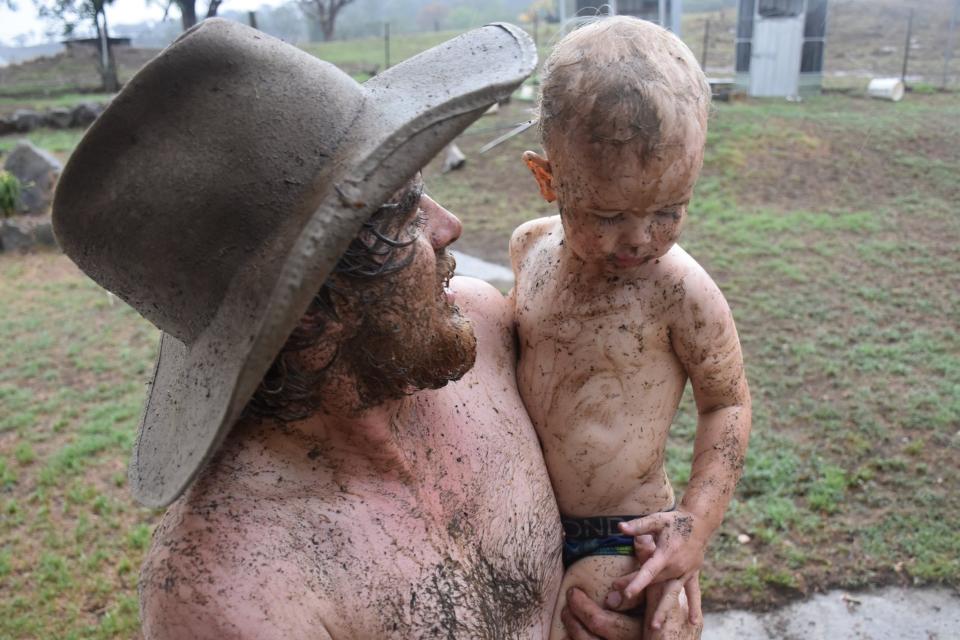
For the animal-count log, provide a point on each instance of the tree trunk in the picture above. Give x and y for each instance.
(213, 7)
(188, 13)
(326, 27)
(106, 63)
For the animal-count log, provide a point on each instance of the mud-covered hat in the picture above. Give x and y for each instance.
(220, 187)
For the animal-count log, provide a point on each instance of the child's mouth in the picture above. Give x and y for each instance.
(626, 261)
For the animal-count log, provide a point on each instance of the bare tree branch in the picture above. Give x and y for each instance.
(324, 12)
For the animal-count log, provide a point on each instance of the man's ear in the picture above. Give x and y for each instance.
(542, 173)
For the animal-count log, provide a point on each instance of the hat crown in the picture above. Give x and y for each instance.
(245, 131)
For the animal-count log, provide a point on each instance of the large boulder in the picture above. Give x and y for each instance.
(58, 118)
(14, 235)
(37, 172)
(85, 113)
(24, 233)
(25, 120)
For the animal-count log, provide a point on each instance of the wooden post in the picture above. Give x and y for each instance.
(906, 49)
(951, 38)
(706, 45)
(386, 45)
(252, 18)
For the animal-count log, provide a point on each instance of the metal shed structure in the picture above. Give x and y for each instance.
(666, 13)
(779, 46)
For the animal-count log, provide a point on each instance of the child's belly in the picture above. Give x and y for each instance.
(603, 425)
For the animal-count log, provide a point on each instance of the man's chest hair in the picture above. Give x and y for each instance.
(474, 573)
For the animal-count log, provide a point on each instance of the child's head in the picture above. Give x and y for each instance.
(623, 121)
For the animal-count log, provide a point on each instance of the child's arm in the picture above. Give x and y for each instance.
(705, 340)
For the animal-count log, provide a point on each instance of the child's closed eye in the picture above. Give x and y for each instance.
(609, 220)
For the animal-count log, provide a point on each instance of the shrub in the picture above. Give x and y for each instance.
(9, 194)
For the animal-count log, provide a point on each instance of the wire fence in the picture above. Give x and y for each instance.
(865, 39)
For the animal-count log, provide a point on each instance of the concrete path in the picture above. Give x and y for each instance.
(468, 265)
(886, 614)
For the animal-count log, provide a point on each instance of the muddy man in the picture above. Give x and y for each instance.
(614, 317)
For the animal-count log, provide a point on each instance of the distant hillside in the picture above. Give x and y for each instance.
(13, 55)
(67, 73)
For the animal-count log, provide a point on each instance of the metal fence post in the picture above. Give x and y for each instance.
(386, 45)
(706, 45)
(906, 49)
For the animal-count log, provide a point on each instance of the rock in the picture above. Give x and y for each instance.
(7, 126)
(14, 235)
(43, 234)
(85, 113)
(59, 118)
(453, 159)
(25, 120)
(37, 172)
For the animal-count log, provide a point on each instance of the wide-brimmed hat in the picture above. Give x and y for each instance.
(220, 187)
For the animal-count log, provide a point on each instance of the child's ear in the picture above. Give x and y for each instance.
(542, 173)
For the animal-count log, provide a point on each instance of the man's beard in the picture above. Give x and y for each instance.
(409, 338)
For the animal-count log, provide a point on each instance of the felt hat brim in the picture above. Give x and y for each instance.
(201, 384)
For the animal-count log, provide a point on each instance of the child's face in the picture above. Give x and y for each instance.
(621, 211)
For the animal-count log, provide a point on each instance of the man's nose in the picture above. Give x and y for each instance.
(444, 227)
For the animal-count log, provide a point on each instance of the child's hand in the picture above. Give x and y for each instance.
(681, 541)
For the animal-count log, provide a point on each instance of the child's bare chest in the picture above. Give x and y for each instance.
(611, 325)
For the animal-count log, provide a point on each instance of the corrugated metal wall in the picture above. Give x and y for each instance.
(775, 56)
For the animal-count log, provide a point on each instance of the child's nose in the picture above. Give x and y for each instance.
(638, 234)
(444, 227)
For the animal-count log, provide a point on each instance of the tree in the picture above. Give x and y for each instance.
(188, 11)
(324, 12)
(432, 15)
(71, 13)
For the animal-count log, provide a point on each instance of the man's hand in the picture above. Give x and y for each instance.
(584, 619)
(681, 541)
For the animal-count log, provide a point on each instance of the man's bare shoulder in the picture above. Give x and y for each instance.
(491, 315)
(212, 574)
(527, 235)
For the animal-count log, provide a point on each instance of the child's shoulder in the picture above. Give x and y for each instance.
(693, 287)
(529, 233)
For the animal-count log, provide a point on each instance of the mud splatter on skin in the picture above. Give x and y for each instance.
(683, 525)
(455, 556)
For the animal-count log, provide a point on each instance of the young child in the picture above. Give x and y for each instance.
(614, 317)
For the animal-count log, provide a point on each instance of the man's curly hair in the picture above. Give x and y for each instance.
(287, 392)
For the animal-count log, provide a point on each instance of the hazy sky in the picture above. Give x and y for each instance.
(25, 21)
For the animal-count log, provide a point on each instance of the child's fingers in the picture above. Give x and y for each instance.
(644, 576)
(670, 599)
(621, 583)
(644, 547)
(692, 588)
(647, 524)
